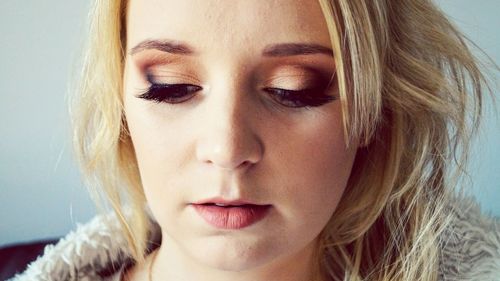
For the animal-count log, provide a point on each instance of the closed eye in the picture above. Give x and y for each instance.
(170, 93)
(179, 93)
(310, 97)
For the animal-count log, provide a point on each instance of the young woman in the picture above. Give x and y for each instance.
(276, 140)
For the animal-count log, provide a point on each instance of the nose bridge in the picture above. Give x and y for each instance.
(229, 140)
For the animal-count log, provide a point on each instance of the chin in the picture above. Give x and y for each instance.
(234, 255)
(235, 265)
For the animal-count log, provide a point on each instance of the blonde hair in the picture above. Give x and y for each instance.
(410, 90)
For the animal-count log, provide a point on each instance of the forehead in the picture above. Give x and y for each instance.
(227, 24)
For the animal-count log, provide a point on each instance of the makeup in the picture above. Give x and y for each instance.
(231, 216)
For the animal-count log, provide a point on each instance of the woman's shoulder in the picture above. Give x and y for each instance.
(94, 251)
(470, 244)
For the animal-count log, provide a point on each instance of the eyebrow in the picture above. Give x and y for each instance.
(275, 50)
(295, 49)
(168, 46)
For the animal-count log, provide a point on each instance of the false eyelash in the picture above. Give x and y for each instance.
(171, 93)
(306, 97)
(167, 92)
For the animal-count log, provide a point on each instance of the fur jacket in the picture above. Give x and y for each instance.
(97, 250)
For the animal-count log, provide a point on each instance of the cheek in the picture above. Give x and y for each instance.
(160, 151)
(315, 167)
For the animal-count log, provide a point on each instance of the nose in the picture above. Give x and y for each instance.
(229, 141)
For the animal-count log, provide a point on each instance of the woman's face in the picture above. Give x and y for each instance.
(234, 127)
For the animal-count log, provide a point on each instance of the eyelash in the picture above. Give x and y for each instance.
(168, 92)
(301, 98)
(304, 98)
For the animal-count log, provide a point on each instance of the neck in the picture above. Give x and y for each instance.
(172, 263)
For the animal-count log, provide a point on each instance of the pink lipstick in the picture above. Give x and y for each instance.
(230, 214)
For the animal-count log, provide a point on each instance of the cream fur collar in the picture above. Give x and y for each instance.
(471, 249)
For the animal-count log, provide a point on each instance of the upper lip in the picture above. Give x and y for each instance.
(219, 200)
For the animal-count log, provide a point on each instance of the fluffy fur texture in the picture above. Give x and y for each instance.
(98, 250)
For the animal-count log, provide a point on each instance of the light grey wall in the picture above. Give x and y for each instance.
(480, 22)
(40, 190)
(41, 194)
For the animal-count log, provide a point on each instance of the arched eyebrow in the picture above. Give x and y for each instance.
(295, 49)
(275, 50)
(166, 45)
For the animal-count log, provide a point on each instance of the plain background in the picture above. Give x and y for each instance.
(41, 194)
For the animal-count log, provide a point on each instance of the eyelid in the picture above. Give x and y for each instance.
(305, 74)
(278, 78)
(295, 84)
(154, 78)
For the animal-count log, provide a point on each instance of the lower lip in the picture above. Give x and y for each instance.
(232, 217)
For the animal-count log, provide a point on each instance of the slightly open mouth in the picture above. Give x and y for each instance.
(228, 206)
(231, 216)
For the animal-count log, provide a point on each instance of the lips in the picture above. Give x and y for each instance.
(234, 214)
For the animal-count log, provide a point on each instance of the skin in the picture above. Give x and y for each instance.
(232, 139)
